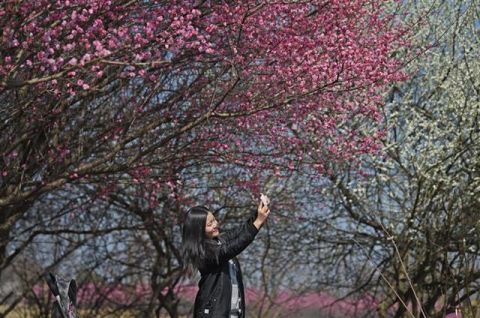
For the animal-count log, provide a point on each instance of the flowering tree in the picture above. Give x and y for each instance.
(96, 91)
(411, 213)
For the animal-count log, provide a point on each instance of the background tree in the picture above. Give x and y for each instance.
(407, 216)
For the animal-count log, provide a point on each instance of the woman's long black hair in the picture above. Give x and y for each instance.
(193, 237)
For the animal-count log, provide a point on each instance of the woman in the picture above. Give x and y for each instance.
(221, 292)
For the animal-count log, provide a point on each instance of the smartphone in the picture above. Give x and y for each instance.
(265, 199)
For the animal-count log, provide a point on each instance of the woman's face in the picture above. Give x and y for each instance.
(211, 227)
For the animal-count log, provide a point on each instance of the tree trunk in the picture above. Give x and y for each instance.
(8, 218)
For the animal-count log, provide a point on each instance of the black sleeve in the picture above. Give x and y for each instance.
(233, 245)
(233, 233)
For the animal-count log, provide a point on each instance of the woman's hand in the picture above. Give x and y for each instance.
(262, 214)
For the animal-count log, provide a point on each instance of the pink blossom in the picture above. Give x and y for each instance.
(73, 61)
(41, 55)
(98, 45)
(317, 74)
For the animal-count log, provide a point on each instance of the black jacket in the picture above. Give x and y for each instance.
(215, 289)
